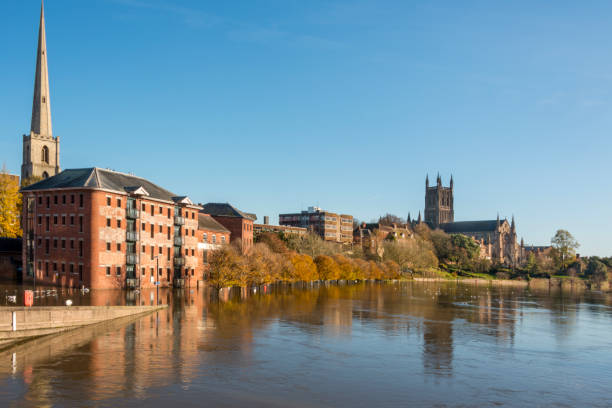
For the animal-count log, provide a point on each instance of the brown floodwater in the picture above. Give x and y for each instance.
(361, 345)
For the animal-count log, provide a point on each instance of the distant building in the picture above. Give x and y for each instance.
(371, 236)
(285, 229)
(497, 238)
(239, 223)
(329, 226)
(40, 148)
(104, 229)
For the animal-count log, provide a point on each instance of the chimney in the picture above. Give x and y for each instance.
(266, 220)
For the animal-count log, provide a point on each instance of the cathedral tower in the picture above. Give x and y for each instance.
(40, 148)
(439, 203)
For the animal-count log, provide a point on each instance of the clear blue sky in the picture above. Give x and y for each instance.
(275, 105)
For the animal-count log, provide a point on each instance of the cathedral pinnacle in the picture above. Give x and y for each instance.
(41, 106)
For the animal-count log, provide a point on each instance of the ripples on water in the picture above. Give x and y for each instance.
(364, 345)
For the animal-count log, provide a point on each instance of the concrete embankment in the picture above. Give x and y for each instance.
(24, 323)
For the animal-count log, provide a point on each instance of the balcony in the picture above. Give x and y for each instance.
(179, 220)
(132, 259)
(133, 283)
(179, 283)
(178, 241)
(132, 213)
(179, 261)
(132, 236)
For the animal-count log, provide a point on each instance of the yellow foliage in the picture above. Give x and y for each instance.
(327, 267)
(304, 269)
(10, 206)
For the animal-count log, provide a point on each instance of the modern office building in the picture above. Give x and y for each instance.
(329, 226)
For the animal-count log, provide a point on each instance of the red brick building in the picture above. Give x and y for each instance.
(329, 226)
(239, 223)
(211, 235)
(104, 229)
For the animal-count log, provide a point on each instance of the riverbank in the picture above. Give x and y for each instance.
(19, 324)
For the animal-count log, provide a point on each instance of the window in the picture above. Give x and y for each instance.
(119, 246)
(71, 268)
(81, 272)
(72, 244)
(55, 220)
(192, 252)
(54, 267)
(161, 210)
(81, 248)
(161, 229)
(81, 200)
(205, 256)
(40, 220)
(63, 220)
(152, 271)
(152, 210)
(72, 220)
(118, 223)
(144, 226)
(214, 239)
(54, 243)
(108, 222)
(54, 200)
(71, 198)
(169, 213)
(39, 242)
(40, 203)
(80, 223)
(47, 222)
(108, 201)
(144, 207)
(63, 243)
(108, 271)
(142, 271)
(63, 267)
(152, 231)
(193, 233)
(64, 199)
(205, 237)
(47, 246)
(118, 203)
(118, 271)
(48, 201)
(161, 250)
(44, 155)
(152, 252)
(47, 269)
(223, 239)
(168, 273)
(144, 249)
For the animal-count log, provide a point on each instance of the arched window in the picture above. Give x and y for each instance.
(45, 154)
(45, 175)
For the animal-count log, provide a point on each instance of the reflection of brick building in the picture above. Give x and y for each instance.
(329, 226)
(105, 229)
(239, 223)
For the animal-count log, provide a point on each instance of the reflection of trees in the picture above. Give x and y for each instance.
(218, 329)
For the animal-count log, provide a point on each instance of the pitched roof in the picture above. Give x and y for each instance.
(469, 226)
(95, 177)
(206, 222)
(226, 210)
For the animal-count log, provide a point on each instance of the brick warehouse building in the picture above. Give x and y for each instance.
(104, 229)
(211, 235)
(238, 222)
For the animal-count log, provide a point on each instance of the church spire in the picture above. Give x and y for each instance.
(41, 107)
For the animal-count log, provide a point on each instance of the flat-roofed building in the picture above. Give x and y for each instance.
(329, 226)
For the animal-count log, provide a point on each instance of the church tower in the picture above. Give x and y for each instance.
(439, 203)
(40, 147)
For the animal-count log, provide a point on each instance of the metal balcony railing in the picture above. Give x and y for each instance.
(179, 220)
(132, 283)
(179, 261)
(178, 241)
(132, 259)
(132, 213)
(132, 236)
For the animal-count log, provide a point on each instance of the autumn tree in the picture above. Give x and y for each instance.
(565, 246)
(10, 205)
(390, 219)
(328, 268)
(304, 269)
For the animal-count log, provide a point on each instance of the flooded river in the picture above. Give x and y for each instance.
(362, 345)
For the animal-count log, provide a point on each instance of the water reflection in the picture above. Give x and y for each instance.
(373, 342)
